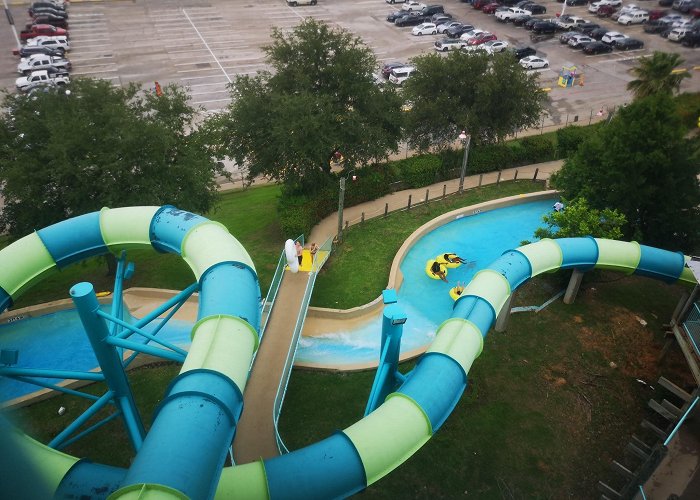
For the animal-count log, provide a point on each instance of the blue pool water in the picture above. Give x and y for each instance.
(479, 238)
(57, 340)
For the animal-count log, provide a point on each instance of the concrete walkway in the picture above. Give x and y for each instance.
(328, 227)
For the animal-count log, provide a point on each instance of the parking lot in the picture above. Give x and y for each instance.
(204, 45)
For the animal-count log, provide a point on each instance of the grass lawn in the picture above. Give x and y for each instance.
(543, 415)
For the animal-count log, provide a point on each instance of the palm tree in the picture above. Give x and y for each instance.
(656, 75)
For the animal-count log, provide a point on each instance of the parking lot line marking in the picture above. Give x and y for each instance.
(206, 84)
(91, 59)
(77, 73)
(214, 100)
(209, 92)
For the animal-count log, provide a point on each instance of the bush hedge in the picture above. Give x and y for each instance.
(569, 138)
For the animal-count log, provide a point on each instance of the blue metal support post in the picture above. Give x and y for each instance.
(388, 377)
(86, 303)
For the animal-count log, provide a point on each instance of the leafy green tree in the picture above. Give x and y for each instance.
(488, 96)
(579, 219)
(63, 155)
(641, 165)
(320, 96)
(655, 75)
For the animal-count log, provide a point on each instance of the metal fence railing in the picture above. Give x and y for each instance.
(319, 259)
(691, 325)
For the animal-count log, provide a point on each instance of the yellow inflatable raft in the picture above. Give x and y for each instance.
(430, 274)
(443, 261)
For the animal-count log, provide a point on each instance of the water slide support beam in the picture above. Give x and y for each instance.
(83, 295)
(504, 315)
(574, 285)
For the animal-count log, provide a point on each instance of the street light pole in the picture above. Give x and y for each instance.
(341, 202)
(466, 140)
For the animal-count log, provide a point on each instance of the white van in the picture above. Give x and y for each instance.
(54, 42)
(400, 75)
(294, 3)
(634, 17)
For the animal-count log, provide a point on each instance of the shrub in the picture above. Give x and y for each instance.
(569, 138)
(688, 106)
(489, 157)
(297, 215)
(419, 171)
(538, 148)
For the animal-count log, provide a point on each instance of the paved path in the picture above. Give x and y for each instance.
(328, 227)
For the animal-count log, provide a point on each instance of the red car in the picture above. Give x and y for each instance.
(656, 14)
(490, 8)
(481, 38)
(480, 4)
(606, 11)
(41, 30)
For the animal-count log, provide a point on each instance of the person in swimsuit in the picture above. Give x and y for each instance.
(436, 269)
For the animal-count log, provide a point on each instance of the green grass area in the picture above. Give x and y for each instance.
(372, 246)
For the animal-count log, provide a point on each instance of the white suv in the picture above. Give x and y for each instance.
(511, 13)
(635, 17)
(400, 75)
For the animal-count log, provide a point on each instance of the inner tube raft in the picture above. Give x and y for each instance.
(443, 261)
(430, 274)
(456, 292)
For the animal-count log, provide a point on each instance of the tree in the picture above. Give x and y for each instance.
(579, 219)
(641, 165)
(488, 96)
(655, 75)
(320, 97)
(62, 155)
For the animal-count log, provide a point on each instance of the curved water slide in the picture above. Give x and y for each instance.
(175, 465)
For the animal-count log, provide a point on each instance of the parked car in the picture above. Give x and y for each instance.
(479, 4)
(467, 35)
(438, 19)
(445, 44)
(682, 23)
(393, 16)
(410, 19)
(535, 8)
(386, 69)
(534, 62)
(571, 22)
(594, 48)
(490, 8)
(691, 39)
(568, 35)
(24, 83)
(394, 1)
(598, 33)
(521, 20)
(612, 36)
(578, 41)
(481, 38)
(628, 44)
(29, 50)
(665, 3)
(576, 2)
(412, 5)
(442, 28)
(544, 28)
(669, 19)
(37, 11)
(36, 30)
(511, 13)
(59, 22)
(587, 28)
(458, 31)
(657, 14)
(294, 3)
(683, 5)
(50, 41)
(431, 10)
(522, 52)
(677, 34)
(636, 17)
(400, 75)
(606, 11)
(655, 26)
(626, 9)
(424, 29)
(528, 25)
(41, 61)
(495, 46)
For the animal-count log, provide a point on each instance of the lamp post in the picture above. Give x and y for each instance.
(466, 139)
(341, 201)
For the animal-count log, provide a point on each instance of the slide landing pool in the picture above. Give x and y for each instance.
(182, 455)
